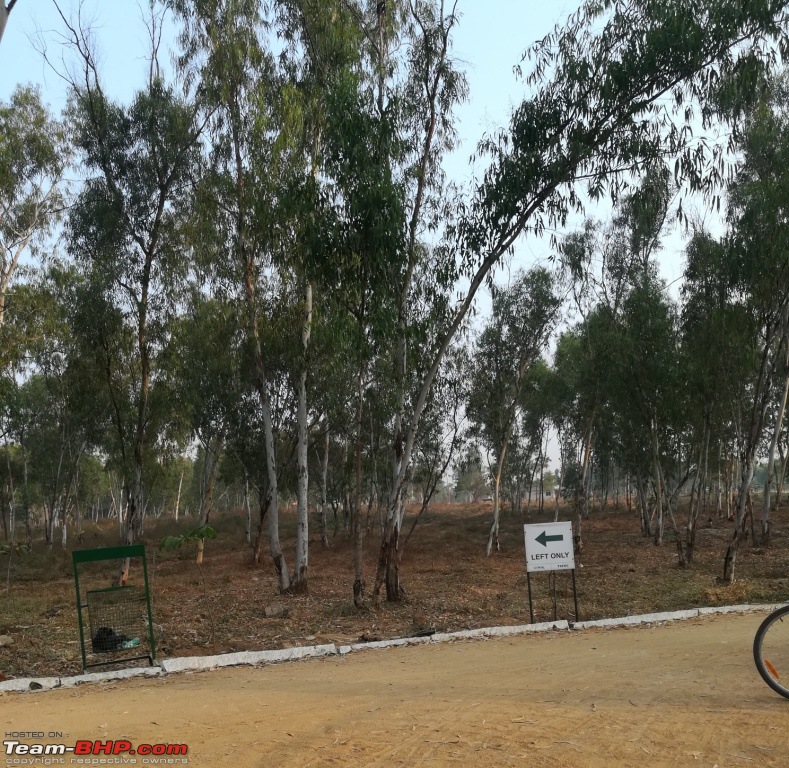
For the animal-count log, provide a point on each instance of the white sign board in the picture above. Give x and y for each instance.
(549, 547)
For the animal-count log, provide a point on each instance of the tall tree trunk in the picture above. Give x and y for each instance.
(781, 475)
(3, 18)
(324, 480)
(761, 401)
(132, 528)
(9, 531)
(643, 503)
(581, 500)
(178, 495)
(658, 540)
(262, 513)
(302, 476)
(248, 509)
(701, 475)
(562, 465)
(389, 557)
(542, 470)
(211, 451)
(272, 495)
(779, 418)
(358, 528)
(493, 537)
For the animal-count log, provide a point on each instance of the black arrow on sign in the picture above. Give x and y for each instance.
(544, 538)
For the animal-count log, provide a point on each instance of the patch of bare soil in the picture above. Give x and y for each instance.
(449, 585)
(679, 694)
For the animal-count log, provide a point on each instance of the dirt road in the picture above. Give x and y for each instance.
(680, 694)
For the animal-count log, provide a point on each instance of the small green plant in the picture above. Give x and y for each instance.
(16, 548)
(196, 537)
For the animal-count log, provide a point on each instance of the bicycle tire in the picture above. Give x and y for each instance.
(771, 651)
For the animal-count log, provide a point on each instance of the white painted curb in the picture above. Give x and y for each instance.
(645, 618)
(23, 683)
(522, 629)
(655, 618)
(377, 644)
(185, 663)
(117, 674)
(245, 657)
(739, 609)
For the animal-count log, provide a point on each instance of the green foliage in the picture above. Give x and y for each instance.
(16, 548)
(523, 319)
(615, 90)
(170, 543)
(34, 153)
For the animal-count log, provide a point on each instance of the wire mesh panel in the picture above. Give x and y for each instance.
(117, 619)
(114, 622)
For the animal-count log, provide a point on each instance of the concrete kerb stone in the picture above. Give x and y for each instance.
(654, 618)
(740, 609)
(378, 644)
(23, 683)
(645, 618)
(193, 663)
(117, 674)
(468, 634)
(186, 663)
(465, 634)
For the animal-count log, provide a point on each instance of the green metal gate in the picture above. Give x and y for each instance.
(117, 619)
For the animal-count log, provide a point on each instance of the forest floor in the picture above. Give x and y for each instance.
(449, 584)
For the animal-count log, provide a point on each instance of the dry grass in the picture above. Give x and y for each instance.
(449, 584)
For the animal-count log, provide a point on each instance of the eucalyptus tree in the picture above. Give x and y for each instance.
(598, 109)
(34, 155)
(322, 53)
(334, 382)
(654, 384)
(431, 88)
(585, 363)
(126, 228)
(537, 405)
(222, 48)
(205, 362)
(265, 103)
(717, 362)
(445, 433)
(366, 236)
(758, 269)
(604, 265)
(523, 318)
(51, 415)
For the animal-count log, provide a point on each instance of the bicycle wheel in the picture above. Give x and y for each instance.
(771, 650)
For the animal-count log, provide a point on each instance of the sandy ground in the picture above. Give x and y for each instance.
(681, 694)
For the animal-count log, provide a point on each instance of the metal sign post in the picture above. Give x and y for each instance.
(549, 548)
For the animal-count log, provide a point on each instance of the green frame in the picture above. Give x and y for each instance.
(111, 553)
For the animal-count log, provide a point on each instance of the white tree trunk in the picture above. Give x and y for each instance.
(771, 461)
(302, 489)
(178, 495)
(248, 509)
(493, 537)
(324, 479)
(283, 575)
